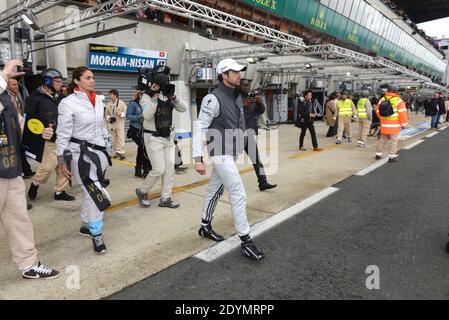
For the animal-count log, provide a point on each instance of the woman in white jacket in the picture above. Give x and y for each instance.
(81, 147)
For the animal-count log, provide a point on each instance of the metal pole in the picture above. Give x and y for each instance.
(33, 54)
(12, 42)
(47, 54)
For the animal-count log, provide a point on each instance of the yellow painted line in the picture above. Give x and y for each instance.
(151, 196)
(128, 163)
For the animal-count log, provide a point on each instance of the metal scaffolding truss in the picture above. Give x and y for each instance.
(12, 15)
(329, 52)
(302, 65)
(185, 8)
(390, 64)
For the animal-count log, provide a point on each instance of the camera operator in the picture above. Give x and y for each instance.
(158, 102)
(13, 207)
(42, 105)
(253, 107)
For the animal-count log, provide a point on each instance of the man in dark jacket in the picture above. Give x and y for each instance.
(437, 109)
(305, 120)
(13, 208)
(253, 107)
(42, 105)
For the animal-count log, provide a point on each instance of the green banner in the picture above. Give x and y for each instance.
(275, 6)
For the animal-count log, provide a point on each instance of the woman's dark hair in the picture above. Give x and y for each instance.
(114, 92)
(77, 73)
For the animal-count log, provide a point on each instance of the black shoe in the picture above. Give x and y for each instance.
(98, 242)
(250, 250)
(390, 160)
(168, 203)
(265, 186)
(447, 247)
(29, 206)
(32, 192)
(207, 232)
(122, 157)
(63, 196)
(180, 169)
(40, 271)
(28, 174)
(378, 157)
(84, 231)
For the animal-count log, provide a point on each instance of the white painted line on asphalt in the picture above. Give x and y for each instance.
(414, 144)
(431, 135)
(444, 128)
(233, 242)
(372, 167)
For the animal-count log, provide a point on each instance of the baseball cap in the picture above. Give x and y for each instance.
(229, 64)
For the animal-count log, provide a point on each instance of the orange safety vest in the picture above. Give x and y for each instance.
(392, 125)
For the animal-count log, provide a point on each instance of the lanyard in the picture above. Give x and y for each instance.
(2, 122)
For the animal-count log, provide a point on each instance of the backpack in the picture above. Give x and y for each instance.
(385, 108)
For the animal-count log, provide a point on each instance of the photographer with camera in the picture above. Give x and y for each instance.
(253, 107)
(42, 105)
(13, 205)
(158, 102)
(115, 115)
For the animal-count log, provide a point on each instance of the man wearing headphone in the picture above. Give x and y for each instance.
(42, 105)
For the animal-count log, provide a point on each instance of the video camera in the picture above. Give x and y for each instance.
(254, 93)
(159, 75)
(27, 68)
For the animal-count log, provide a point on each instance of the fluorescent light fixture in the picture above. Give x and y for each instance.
(27, 19)
(348, 74)
(251, 60)
(30, 19)
(308, 66)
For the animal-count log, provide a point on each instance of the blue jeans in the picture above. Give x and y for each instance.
(435, 121)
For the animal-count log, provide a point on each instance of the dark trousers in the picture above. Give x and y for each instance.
(26, 168)
(332, 131)
(311, 128)
(253, 152)
(178, 156)
(142, 159)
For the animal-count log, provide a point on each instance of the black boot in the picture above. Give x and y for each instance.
(264, 185)
(32, 192)
(138, 172)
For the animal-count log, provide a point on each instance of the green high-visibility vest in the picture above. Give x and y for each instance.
(344, 109)
(362, 113)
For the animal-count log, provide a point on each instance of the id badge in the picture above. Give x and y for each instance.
(3, 140)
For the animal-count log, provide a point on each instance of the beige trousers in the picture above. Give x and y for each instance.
(364, 126)
(393, 147)
(16, 222)
(344, 123)
(161, 152)
(48, 164)
(117, 130)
